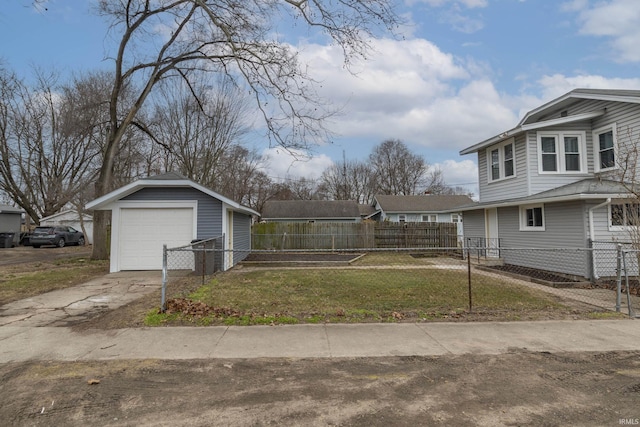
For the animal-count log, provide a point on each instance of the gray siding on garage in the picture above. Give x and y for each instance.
(565, 227)
(241, 236)
(209, 209)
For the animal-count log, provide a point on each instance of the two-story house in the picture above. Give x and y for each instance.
(553, 181)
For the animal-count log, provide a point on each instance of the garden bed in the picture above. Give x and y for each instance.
(298, 259)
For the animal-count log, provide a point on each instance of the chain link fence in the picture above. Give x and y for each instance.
(478, 276)
(189, 264)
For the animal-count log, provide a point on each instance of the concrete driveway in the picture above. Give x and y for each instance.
(58, 308)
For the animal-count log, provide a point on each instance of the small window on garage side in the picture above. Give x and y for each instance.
(402, 218)
(532, 218)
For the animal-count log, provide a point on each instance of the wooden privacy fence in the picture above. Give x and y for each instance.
(360, 235)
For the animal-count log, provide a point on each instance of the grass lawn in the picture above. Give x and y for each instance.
(25, 282)
(376, 294)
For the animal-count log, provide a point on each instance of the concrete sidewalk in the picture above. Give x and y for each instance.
(18, 343)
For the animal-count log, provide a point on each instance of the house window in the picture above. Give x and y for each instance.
(456, 217)
(624, 215)
(605, 148)
(402, 218)
(549, 156)
(532, 218)
(560, 152)
(501, 161)
(430, 218)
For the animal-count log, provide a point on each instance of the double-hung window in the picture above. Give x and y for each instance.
(532, 218)
(624, 215)
(562, 152)
(501, 161)
(430, 218)
(605, 147)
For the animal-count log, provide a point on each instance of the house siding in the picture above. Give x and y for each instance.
(565, 227)
(209, 214)
(241, 236)
(473, 223)
(528, 180)
(516, 186)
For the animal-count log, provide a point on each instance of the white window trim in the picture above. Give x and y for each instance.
(560, 153)
(402, 218)
(501, 160)
(523, 218)
(456, 218)
(596, 147)
(619, 227)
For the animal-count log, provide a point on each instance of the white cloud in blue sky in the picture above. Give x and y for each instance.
(464, 71)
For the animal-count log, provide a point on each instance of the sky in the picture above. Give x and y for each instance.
(462, 72)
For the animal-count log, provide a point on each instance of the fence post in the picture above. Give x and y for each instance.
(618, 276)
(626, 283)
(163, 302)
(469, 280)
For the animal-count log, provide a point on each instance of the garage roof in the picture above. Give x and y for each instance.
(168, 180)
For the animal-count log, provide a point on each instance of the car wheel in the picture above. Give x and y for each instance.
(36, 246)
(61, 243)
(81, 241)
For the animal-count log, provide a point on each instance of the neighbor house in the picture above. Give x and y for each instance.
(73, 219)
(310, 211)
(174, 211)
(420, 208)
(10, 219)
(553, 182)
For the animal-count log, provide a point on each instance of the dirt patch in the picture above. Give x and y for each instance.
(520, 388)
(30, 256)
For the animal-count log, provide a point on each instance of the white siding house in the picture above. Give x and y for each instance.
(553, 180)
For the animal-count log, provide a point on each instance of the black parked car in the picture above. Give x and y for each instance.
(56, 236)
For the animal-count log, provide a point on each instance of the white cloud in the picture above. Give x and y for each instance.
(471, 4)
(617, 20)
(460, 173)
(280, 164)
(412, 91)
(556, 85)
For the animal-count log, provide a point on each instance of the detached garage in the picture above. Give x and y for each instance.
(171, 210)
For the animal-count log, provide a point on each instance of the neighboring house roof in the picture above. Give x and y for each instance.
(6, 209)
(367, 211)
(422, 203)
(67, 215)
(170, 179)
(586, 189)
(534, 119)
(310, 209)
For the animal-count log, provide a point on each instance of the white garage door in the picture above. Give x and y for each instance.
(143, 231)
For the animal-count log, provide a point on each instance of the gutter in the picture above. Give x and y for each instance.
(592, 232)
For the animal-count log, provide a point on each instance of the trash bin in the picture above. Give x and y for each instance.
(6, 240)
(204, 256)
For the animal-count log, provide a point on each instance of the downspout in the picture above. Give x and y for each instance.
(592, 234)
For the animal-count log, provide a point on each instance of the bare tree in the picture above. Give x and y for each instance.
(241, 173)
(198, 132)
(349, 180)
(48, 141)
(397, 171)
(173, 38)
